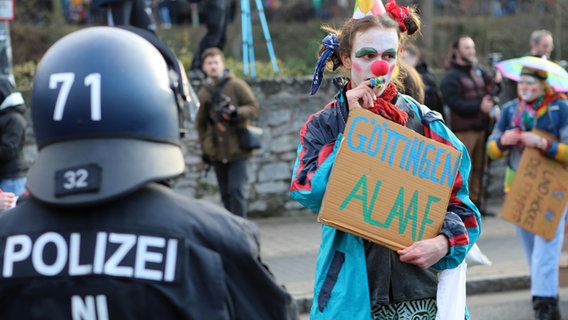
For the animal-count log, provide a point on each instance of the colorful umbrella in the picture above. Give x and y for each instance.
(557, 76)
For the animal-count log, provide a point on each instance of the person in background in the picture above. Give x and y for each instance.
(412, 82)
(163, 12)
(7, 200)
(77, 12)
(466, 89)
(432, 98)
(110, 238)
(537, 106)
(541, 44)
(136, 13)
(219, 14)
(357, 278)
(66, 4)
(227, 103)
(13, 124)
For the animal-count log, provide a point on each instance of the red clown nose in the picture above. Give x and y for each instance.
(379, 68)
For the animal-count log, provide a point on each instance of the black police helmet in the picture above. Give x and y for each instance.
(105, 117)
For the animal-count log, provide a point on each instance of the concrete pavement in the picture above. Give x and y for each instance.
(289, 246)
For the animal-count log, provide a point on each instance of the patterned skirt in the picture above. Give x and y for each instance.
(424, 309)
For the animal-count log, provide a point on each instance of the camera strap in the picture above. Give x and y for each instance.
(218, 90)
(212, 102)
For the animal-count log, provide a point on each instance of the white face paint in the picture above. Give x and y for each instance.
(529, 88)
(369, 46)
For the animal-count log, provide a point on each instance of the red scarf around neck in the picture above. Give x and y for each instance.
(385, 108)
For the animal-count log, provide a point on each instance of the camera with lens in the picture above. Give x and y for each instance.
(224, 111)
(493, 58)
(495, 90)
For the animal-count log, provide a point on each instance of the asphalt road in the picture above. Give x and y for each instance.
(511, 305)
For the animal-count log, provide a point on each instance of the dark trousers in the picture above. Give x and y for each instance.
(231, 178)
(218, 16)
(129, 12)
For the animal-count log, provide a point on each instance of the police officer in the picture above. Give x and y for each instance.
(101, 235)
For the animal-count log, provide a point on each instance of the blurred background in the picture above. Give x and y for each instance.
(500, 29)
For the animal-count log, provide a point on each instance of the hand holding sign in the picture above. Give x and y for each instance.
(398, 193)
(425, 253)
(539, 193)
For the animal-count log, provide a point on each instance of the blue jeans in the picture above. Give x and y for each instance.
(164, 12)
(232, 177)
(543, 257)
(16, 185)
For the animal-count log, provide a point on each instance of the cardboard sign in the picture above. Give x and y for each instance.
(538, 195)
(389, 184)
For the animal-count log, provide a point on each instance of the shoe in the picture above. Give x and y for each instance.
(546, 308)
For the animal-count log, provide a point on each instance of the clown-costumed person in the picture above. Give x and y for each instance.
(537, 106)
(356, 278)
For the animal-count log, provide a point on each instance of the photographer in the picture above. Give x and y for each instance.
(227, 103)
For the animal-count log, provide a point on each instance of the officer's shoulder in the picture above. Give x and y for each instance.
(193, 213)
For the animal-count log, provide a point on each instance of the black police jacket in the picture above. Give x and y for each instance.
(151, 255)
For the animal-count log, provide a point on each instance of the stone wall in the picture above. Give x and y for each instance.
(286, 104)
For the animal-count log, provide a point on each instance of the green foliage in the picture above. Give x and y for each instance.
(265, 69)
(295, 44)
(24, 74)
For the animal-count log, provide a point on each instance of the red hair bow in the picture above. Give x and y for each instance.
(399, 14)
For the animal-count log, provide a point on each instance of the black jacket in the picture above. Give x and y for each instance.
(151, 255)
(463, 88)
(432, 97)
(13, 126)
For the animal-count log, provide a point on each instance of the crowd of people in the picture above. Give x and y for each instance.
(103, 165)
(170, 12)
